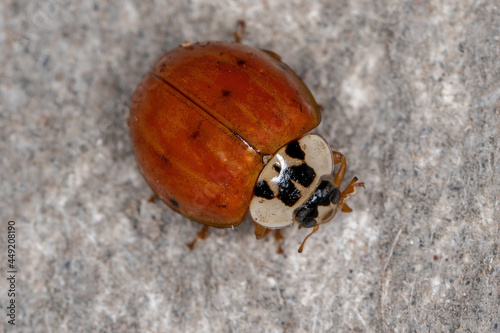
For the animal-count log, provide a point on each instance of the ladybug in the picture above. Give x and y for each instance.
(220, 128)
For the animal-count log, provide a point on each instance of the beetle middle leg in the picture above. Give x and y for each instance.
(261, 232)
(201, 235)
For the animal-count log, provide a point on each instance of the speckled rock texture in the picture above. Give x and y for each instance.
(410, 93)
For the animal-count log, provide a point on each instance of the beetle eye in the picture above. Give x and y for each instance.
(304, 214)
(335, 196)
(308, 223)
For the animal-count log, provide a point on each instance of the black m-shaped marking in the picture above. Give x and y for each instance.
(288, 192)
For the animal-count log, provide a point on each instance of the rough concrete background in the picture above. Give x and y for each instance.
(410, 92)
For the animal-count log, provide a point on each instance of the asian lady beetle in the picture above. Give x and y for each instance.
(219, 129)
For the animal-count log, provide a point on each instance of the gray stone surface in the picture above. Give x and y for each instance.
(410, 92)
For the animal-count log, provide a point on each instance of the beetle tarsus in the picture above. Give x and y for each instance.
(201, 235)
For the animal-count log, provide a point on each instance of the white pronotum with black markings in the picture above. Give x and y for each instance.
(296, 185)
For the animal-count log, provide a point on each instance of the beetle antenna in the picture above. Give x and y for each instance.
(314, 230)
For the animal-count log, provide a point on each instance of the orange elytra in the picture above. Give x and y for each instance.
(219, 129)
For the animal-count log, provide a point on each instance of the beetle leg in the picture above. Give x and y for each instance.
(339, 158)
(201, 235)
(350, 189)
(272, 54)
(345, 208)
(279, 238)
(153, 198)
(261, 232)
(239, 33)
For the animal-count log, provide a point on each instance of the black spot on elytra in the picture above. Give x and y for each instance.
(241, 62)
(164, 159)
(293, 150)
(262, 190)
(300, 107)
(174, 203)
(225, 93)
(196, 133)
(288, 192)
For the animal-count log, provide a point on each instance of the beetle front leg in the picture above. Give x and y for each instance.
(351, 188)
(339, 158)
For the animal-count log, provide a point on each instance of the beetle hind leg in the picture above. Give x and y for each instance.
(201, 235)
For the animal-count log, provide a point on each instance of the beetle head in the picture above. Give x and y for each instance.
(320, 207)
